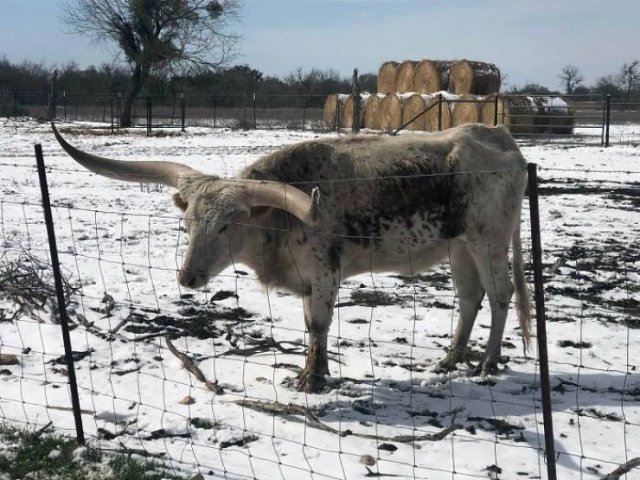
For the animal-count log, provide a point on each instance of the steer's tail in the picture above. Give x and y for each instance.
(522, 292)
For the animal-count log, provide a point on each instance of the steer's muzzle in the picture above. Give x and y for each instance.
(190, 279)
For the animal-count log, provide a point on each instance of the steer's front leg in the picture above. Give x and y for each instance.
(318, 301)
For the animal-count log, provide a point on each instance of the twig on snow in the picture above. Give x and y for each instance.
(262, 346)
(623, 469)
(191, 367)
(40, 431)
(291, 409)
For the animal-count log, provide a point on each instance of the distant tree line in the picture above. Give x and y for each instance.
(624, 85)
(230, 86)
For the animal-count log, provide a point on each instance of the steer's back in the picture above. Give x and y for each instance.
(385, 198)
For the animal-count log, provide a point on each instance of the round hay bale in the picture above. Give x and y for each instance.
(373, 112)
(488, 111)
(332, 111)
(346, 115)
(553, 116)
(387, 77)
(411, 107)
(432, 116)
(431, 76)
(515, 112)
(466, 109)
(405, 75)
(520, 115)
(391, 108)
(478, 78)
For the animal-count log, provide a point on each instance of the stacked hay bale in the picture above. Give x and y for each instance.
(465, 109)
(405, 89)
(387, 74)
(515, 112)
(372, 113)
(332, 111)
(413, 105)
(438, 117)
(553, 116)
(476, 78)
(468, 90)
(346, 115)
(529, 115)
(405, 76)
(431, 76)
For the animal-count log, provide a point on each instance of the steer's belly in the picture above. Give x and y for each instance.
(404, 247)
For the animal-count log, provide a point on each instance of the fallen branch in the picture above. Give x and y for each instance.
(623, 469)
(141, 338)
(70, 409)
(191, 367)
(135, 451)
(291, 409)
(28, 283)
(91, 328)
(262, 346)
(371, 473)
(40, 431)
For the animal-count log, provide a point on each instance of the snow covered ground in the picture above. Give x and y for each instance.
(120, 244)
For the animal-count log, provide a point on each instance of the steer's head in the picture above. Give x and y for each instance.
(217, 211)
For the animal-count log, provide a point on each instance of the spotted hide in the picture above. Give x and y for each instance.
(313, 214)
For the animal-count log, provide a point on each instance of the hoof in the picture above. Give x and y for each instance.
(486, 368)
(450, 362)
(445, 366)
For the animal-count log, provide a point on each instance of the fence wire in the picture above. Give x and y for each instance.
(205, 380)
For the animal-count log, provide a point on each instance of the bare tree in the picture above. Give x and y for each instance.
(571, 78)
(629, 78)
(157, 34)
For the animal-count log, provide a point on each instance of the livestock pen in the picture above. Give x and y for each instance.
(204, 381)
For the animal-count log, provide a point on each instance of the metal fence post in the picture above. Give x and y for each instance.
(149, 113)
(495, 110)
(15, 105)
(183, 112)
(214, 110)
(255, 124)
(440, 112)
(607, 121)
(111, 111)
(355, 95)
(304, 111)
(337, 122)
(541, 329)
(244, 107)
(62, 310)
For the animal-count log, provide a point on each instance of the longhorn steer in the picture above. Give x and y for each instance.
(359, 204)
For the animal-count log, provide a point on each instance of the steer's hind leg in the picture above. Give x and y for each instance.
(493, 267)
(469, 293)
(318, 303)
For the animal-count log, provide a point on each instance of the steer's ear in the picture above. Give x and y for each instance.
(179, 202)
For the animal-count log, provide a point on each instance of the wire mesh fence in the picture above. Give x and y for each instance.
(566, 119)
(205, 380)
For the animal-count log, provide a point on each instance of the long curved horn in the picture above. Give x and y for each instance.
(167, 173)
(284, 197)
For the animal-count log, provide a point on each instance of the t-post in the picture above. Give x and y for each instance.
(355, 125)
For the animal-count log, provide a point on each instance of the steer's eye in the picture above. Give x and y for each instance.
(223, 229)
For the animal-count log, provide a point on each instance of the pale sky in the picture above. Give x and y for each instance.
(529, 40)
